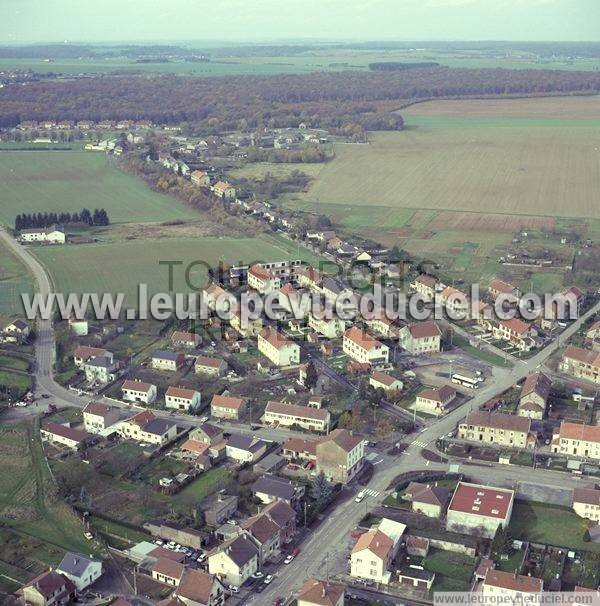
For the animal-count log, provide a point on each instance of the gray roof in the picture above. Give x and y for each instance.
(275, 486)
(166, 355)
(75, 564)
(100, 361)
(158, 426)
(245, 442)
(241, 550)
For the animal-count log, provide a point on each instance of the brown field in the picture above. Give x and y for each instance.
(547, 171)
(574, 108)
(486, 222)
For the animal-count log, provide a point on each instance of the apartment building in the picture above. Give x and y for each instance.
(286, 415)
(534, 396)
(363, 348)
(577, 440)
(277, 348)
(581, 363)
(497, 429)
(420, 338)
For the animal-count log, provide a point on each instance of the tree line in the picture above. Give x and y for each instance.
(31, 220)
(330, 100)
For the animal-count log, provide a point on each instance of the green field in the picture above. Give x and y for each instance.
(549, 524)
(120, 266)
(332, 59)
(14, 280)
(69, 181)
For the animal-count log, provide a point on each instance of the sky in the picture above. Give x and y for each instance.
(23, 21)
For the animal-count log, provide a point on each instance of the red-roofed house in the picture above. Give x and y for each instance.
(381, 380)
(286, 415)
(497, 429)
(499, 287)
(67, 436)
(511, 586)
(180, 398)
(422, 337)
(581, 363)
(578, 440)
(363, 348)
(227, 407)
(280, 350)
(516, 332)
(138, 391)
(315, 592)
(435, 400)
(479, 510)
(534, 396)
(425, 285)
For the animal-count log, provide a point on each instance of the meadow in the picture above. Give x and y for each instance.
(14, 280)
(56, 181)
(119, 266)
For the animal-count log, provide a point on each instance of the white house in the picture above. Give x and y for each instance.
(138, 391)
(364, 348)
(97, 416)
(280, 350)
(182, 399)
(234, 561)
(286, 415)
(80, 569)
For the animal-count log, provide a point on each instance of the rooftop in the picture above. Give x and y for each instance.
(481, 500)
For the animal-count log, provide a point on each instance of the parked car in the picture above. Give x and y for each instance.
(268, 579)
(258, 575)
(234, 589)
(289, 559)
(88, 535)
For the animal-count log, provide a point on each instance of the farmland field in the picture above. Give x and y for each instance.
(58, 181)
(531, 170)
(14, 279)
(120, 266)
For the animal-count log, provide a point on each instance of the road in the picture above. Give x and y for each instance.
(325, 548)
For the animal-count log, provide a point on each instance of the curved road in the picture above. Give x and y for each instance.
(326, 546)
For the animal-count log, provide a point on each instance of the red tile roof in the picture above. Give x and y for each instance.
(136, 386)
(98, 409)
(579, 431)
(227, 402)
(487, 501)
(512, 581)
(180, 392)
(361, 338)
(582, 355)
(70, 433)
(321, 593)
(305, 412)
(376, 542)
(498, 420)
(275, 338)
(420, 330)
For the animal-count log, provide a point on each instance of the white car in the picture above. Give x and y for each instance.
(289, 559)
(258, 575)
(88, 535)
(268, 579)
(234, 589)
(158, 542)
(21, 404)
(232, 522)
(201, 558)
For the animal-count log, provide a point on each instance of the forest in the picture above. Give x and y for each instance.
(337, 101)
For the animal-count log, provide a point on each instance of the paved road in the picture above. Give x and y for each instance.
(326, 546)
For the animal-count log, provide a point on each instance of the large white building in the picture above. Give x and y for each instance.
(47, 235)
(479, 510)
(286, 415)
(364, 348)
(422, 337)
(97, 417)
(280, 350)
(578, 440)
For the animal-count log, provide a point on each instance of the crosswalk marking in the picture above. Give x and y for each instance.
(419, 443)
(369, 492)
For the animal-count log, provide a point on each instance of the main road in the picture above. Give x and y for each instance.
(326, 546)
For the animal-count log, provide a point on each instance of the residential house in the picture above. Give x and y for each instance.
(381, 325)
(227, 407)
(201, 178)
(245, 449)
(417, 546)
(375, 550)
(16, 332)
(426, 499)
(497, 429)
(455, 302)
(287, 415)
(146, 427)
(299, 450)
(501, 585)
(66, 436)
(499, 287)
(479, 510)
(534, 396)
(285, 517)
(198, 588)
(586, 502)
(217, 299)
(581, 363)
(265, 533)
(97, 417)
(46, 235)
(138, 391)
(167, 360)
(363, 348)
(179, 398)
(84, 354)
(425, 285)
(218, 508)
(189, 340)
(80, 569)
(381, 380)
(48, 589)
(212, 367)
(435, 400)
(224, 190)
(310, 277)
(291, 299)
(243, 322)
(263, 280)
(234, 561)
(269, 488)
(577, 440)
(315, 592)
(280, 350)
(332, 328)
(519, 334)
(167, 571)
(340, 455)
(101, 370)
(422, 337)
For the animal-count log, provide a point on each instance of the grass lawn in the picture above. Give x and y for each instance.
(58, 181)
(120, 530)
(449, 564)
(550, 524)
(258, 170)
(480, 354)
(14, 363)
(14, 280)
(120, 266)
(513, 563)
(28, 499)
(205, 485)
